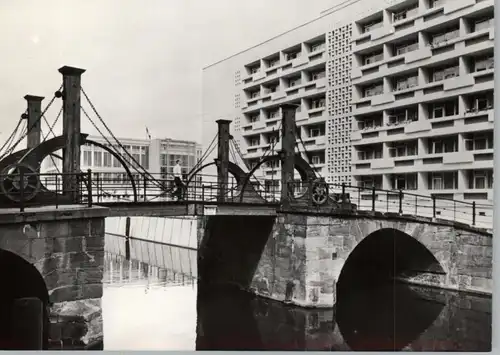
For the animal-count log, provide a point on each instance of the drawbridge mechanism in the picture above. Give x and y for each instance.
(319, 193)
(20, 182)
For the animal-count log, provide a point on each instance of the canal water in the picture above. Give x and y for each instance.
(151, 302)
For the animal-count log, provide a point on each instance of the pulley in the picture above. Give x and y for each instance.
(319, 193)
(11, 184)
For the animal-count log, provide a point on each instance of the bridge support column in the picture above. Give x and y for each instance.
(223, 158)
(287, 152)
(71, 129)
(34, 124)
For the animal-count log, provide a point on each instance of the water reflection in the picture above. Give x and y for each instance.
(149, 301)
(152, 303)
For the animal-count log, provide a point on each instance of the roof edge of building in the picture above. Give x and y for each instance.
(324, 13)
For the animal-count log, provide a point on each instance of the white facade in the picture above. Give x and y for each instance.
(423, 99)
(309, 66)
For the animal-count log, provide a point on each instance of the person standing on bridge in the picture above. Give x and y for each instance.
(179, 191)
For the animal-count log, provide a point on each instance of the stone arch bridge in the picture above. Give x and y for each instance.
(308, 260)
(297, 249)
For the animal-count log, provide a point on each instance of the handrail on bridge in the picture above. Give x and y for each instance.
(95, 187)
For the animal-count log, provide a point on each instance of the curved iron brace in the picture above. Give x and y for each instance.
(52, 145)
(235, 170)
(304, 169)
(120, 159)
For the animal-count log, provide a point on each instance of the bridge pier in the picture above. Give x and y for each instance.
(57, 256)
(71, 129)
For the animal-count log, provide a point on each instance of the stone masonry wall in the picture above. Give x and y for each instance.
(304, 256)
(67, 248)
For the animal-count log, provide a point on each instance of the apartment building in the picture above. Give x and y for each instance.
(308, 66)
(157, 156)
(422, 98)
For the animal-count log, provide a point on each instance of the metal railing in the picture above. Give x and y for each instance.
(95, 188)
(22, 189)
(401, 202)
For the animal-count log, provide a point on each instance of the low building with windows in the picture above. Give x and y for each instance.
(156, 156)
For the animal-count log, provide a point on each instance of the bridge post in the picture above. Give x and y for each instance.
(34, 124)
(223, 158)
(34, 120)
(287, 152)
(71, 129)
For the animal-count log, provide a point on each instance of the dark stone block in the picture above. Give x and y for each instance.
(80, 227)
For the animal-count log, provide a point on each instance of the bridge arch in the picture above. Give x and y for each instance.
(384, 255)
(20, 279)
(372, 310)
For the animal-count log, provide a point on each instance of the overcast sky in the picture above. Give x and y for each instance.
(143, 62)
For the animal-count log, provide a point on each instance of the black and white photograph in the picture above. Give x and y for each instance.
(267, 175)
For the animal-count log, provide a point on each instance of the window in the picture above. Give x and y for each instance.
(479, 142)
(482, 24)
(294, 82)
(293, 55)
(406, 13)
(254, 141)
(405, 48)
(373, 90)
(443, 145)
(254, 70)
(483, 103)
(273, 62)
(254, 118)
(404, 150)
(317, 47)
(273, 88)
(484, 63)
(443, 109)
(87, 158)
(254, 94)
(318, 103)
(314, 132)
(371, 26)
(145, 158)
(274, 114)
(406, 83)
(97, 159)
(373, 57)
(317, 75)
(443, 181)
(316, 159)
(274, 139)
(106, 160)
(404, 182)
(445, 73)
(479, 180)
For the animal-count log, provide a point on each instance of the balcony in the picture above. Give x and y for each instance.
(444, 38)
(373, 90)
(405, 14)
(483, 63)
(372, 58)
(406, 47)
(405, 83)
